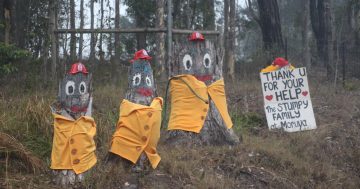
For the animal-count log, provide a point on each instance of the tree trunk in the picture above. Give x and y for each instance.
(321, 21)
(230, 64)
(73, 35)
(214, 130)
(160, 39)
(53, 39)
(208, 14)
(8, 9)
(93, 38)
(81, 39)
(101, 52)
(117, 26)
(110, 35)
(305, 34)
(269, 20)
(226, 33)
(140, 37)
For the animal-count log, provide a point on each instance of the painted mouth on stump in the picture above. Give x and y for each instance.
(144, 92)
(77, 109)
(204, 78)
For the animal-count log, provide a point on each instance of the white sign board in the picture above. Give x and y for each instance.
(287, 100)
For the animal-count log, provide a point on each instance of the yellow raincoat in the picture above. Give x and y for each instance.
(188, 111)
(73, 143)
(138, 130)
(272, 68)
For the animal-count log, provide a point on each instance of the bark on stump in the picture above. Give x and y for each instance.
(140, 79)
(205, 63)
(74, 91)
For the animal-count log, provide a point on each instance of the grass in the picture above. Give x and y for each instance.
(328, 157)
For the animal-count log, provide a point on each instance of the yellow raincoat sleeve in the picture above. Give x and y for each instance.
(217, 94)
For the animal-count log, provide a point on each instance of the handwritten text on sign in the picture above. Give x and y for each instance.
(287, 100)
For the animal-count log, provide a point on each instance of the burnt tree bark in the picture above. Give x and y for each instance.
(305, 34)
(269, 21)
(321, 21)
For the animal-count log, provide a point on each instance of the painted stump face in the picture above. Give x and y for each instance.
(198, 58)
(75, 91)
(141, 82)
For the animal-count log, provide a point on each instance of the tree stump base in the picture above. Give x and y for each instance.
(214, 132)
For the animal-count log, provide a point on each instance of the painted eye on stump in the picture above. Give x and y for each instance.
(69, 88)
(136, 79)
(187, 62)
(148, 81)
(82, 88)
(207, 60)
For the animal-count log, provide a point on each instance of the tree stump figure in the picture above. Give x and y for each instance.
(199, 114)
(138, 130)
(73, 151)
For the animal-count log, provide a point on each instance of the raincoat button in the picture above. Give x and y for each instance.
(138, 148)
(71, 141)
(149, 114)
(73, 151)
(205, 110)
(76, 161)
(202, 117)
(146, 127)
(206, 102)
(144, 138)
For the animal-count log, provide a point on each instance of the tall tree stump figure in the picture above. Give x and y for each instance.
(73, 150)
(199, 114)
(138, 129)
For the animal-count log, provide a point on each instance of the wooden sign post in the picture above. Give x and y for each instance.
(287, 100)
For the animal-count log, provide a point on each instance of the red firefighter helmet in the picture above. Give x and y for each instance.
(78, 67)
(281, 62)
(196, 36)
(141, 54)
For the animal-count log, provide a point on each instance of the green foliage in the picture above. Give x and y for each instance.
(243, 122)
(9, 54)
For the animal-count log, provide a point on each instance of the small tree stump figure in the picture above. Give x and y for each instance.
(199, 114)
(73, 151)
(138, 129)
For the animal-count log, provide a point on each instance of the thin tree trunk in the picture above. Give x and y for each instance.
(93, 38)
(306, 34)
(73, 35)
(81, 39)
(226, 34)
(140, 37)
(231, 41)
(110, 35)
(271, 28)
(117, 26)
(53, 39)
(8, 6)
(321, 21)
(101, 52)
(209, 14)
(160, 39)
